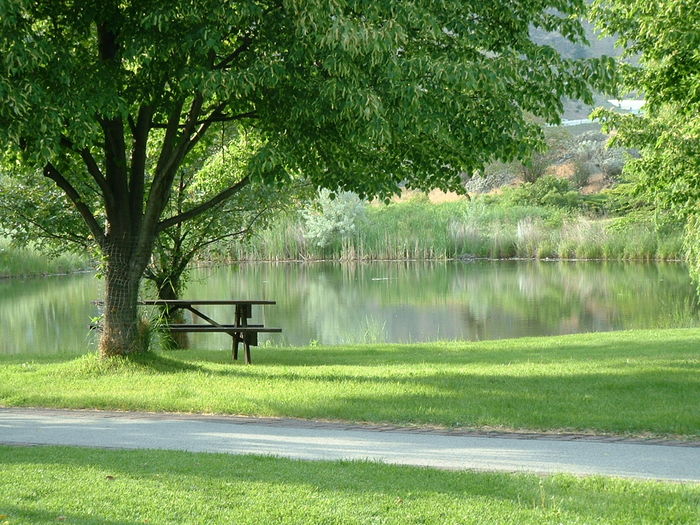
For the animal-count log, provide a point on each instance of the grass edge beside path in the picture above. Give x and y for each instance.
(78, 485)
(638, 383)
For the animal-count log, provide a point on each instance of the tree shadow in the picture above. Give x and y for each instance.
(617, 400)
(211, 476)
(595, 388)
(164, 363)
(34, 515)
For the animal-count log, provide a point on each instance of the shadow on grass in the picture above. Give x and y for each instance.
(378, 486)
(617, 402)
(35, 515)
(165, 363)
(541, 350)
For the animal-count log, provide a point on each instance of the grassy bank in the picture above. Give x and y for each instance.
(23, 262)
(72, 485)
(636, 382)
(419, 229)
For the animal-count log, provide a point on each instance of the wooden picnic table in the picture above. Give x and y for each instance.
(240, 331)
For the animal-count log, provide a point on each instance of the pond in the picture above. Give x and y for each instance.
(343, 303)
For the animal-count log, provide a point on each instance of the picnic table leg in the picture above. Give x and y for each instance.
(236, 335)
(234, 347)
(242, 315)
(247, 353)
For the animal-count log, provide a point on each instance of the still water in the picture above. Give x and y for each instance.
(332, 303)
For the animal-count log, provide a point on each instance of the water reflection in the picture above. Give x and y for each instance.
(47, 314)
(394, 302)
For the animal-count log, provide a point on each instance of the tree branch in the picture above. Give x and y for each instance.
(138, 162)
(116, 168)
(52, 173)
(204, 243)
(45, 232)
(170, 136)
(205, 206)
(226, 61)
(172, 161)
(223, 118)
(172, 153)
(213, 118)
(244, 231)
(93, 169)
(95, 172)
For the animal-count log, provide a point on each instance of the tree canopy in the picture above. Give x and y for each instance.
(107, 100)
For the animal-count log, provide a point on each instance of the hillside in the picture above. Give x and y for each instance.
(598, 47)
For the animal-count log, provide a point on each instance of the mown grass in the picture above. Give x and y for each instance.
(87, 486)
(22, 262)
(636, 382)
(419, 229)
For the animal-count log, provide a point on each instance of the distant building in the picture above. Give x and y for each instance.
(630, 105)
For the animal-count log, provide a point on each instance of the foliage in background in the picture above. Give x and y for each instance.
(535, 168)
(16, 261)
(548, 191)
(550, 221)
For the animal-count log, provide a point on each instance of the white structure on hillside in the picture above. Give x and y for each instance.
(629, 105)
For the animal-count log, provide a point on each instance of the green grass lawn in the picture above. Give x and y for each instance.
(636, 382)
(81, 486)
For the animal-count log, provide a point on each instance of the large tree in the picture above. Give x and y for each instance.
(665, 35)
(107, 99)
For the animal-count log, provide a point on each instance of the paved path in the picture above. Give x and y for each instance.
(297, 439)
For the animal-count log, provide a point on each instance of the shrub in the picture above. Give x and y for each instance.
(332, 217)
(612, 167)
(546, 191)
(582, 172)
(495, 175)
(535, 168)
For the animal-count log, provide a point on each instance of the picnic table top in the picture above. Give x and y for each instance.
(190, 302)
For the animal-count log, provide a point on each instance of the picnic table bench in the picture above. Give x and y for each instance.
(240, 331)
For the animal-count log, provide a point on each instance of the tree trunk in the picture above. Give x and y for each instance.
(122, 333)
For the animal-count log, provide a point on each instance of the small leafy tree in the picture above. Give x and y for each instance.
(666, 36)
(233, 221)
(582, 172)
(107, 101)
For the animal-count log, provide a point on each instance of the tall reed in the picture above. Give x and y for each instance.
(23, 262)
(419, 229)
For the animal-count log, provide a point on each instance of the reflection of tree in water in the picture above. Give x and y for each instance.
(404, 301)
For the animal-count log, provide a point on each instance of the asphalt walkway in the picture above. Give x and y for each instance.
(330, 441)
